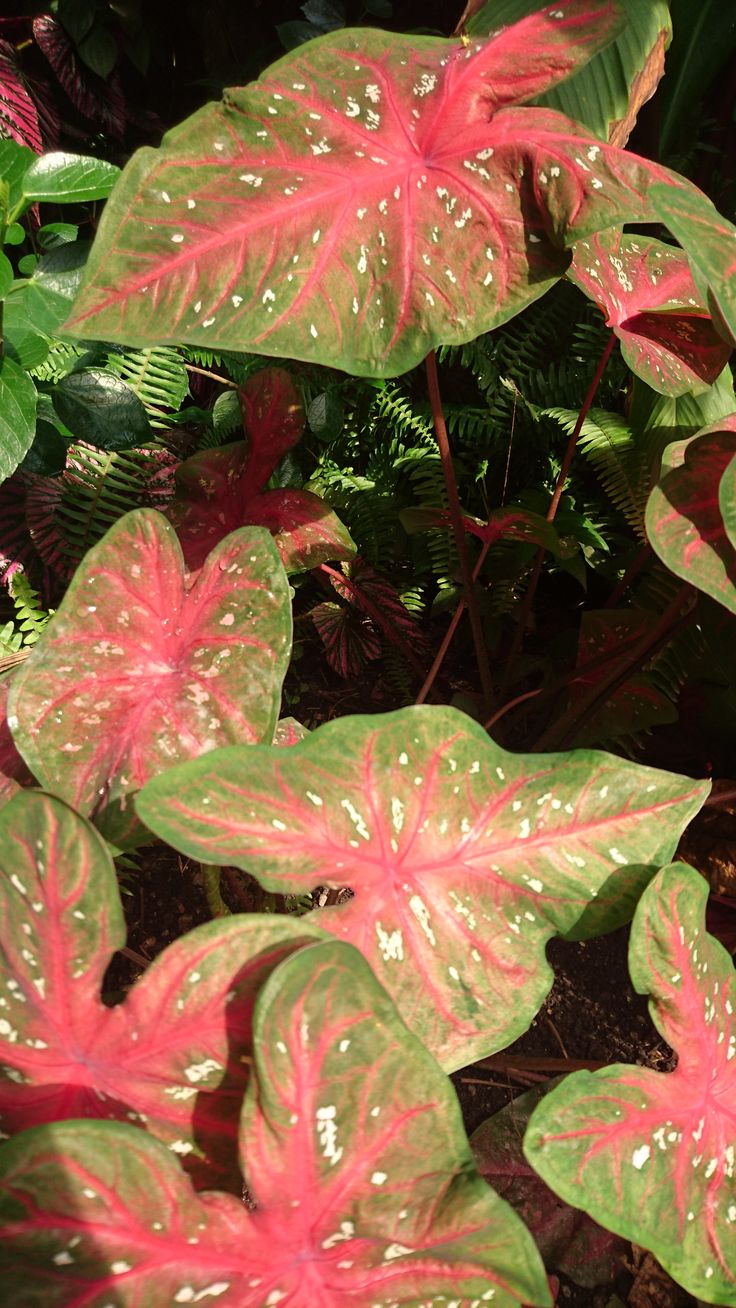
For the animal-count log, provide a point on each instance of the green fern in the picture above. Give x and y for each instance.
(30, 615)
(157, 375)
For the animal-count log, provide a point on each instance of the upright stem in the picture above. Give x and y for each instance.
(554, 504)
(389, 629)
(456, 518)
(447, 639)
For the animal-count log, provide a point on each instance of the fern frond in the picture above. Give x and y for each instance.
(157, 375)
(622, 464)
(30, 615)
(60, 360)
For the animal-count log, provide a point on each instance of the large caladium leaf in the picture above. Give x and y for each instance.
(647, 1154)
(685, 511)
(353, 1146)
(174, 1055)
(221, 489)
(370, 197)
(646, 291)
(709, 241)
(568, 1240)
(464, 858)
(139, 669)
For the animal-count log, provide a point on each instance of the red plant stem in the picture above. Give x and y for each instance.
(374, 612)
(456, 518)
(447, 640)
(512, 703)
(554, 504)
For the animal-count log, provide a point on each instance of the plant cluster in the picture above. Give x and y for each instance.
(265, 1118)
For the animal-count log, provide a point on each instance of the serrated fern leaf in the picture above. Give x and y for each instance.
(157, 375)
(620, 461)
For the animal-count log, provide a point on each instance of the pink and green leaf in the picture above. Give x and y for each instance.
(220, 490)
(13, 771)
(508, 523)
(175, 1055)
(464, 859)
(353, 1146)
(140, 668)
(343, 209)
(684, 515)
(709, 242)
(646, 292)
(651, 1155)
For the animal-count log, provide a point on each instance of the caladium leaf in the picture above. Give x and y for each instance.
(348, 637)
(464, 859)
(353, 1147)
(684, 518)
(139, 668)
(13, 771)
(174, 1056)
(222, 489)
(646, 291)
(709, 241)
(513, 522)
(343, 209)
(647, 1154)
(568, 1240)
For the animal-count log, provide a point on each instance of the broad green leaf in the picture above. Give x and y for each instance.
(624, 74)
(651, 1155)
(68, 178)
(6, 275)
(344, 209)
(17, 415)
(684, 522)
(25, 342)
(172, 1056)
(352, 1142)
(139, 667)
(14, 161)
(101, 409)
(49, 292)
(709, 242)
(464, 859)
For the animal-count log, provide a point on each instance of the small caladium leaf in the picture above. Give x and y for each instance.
(222, 489)
(175, 1055)
(651, 1155)
(649, 298)
(709, 241)
(464, 859)
(512, 523)
(13, 771)
(684, 519)
(568, 1240)
(348, 637)
(354, 1150)
(343, 209)
(139, 668)
(289, 731)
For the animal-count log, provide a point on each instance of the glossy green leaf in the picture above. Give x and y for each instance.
(69, 178)
(14, 161)
(48, 294)
(651, 1155)
(6, 275)
(464, 859)
(100, 408)
(17, 415)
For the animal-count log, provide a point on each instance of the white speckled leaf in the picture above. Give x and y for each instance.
(464, 859)
(652, 1155)
(139, 668)
(353, 1146)
(372, 196)
(170, 1056)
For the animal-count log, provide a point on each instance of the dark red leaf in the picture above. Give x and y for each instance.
(174, 1056)
(96, 98)
(348, 638)
(13, 771)
(649, 298)
(18, 112)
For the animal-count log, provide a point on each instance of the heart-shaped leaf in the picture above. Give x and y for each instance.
(646, 291)
(464, 859)
(139, 669)
(354, 1149)
(222, 489)
(709, 241)
(651, 1155)
(344, 210)
(568, 1240)
(174, 1055)
(684, 518)
(69, 178)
